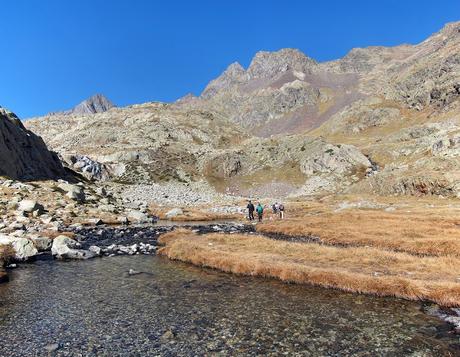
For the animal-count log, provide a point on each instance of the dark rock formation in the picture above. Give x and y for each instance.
(24, 155)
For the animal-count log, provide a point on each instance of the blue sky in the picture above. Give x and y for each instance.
(56, 53)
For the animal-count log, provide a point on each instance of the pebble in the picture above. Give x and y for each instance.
(52, 347)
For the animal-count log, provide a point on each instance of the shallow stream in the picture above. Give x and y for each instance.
(95, 308)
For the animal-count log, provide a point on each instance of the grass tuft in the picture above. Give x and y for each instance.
(7, 254)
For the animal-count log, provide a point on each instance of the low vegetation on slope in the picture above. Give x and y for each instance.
(358, 269)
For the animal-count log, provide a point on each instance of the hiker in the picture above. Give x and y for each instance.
(260, 211)
(251, 209)
(281, 210)
(275, 208)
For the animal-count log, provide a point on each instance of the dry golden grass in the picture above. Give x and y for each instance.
(54, 234)
(7, 254)
(361, 269)
(192, 215)
(415, 233)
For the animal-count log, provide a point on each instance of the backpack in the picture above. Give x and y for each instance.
(260, 209)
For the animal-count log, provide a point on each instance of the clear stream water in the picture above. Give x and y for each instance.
(95, 308)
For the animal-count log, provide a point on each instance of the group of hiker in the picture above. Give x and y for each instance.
(277, 208)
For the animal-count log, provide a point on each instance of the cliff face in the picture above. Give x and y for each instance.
(24, 155)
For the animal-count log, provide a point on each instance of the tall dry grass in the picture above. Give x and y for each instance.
(415, 233)
(361, 269)
(7, 254)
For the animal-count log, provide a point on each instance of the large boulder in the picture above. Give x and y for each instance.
(73, 192)
(139, 217)
(66, 248)
(24, 248)
(29, 206)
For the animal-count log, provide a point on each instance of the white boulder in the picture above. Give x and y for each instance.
(66, 248)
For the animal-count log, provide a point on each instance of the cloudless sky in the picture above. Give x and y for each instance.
(55, 53)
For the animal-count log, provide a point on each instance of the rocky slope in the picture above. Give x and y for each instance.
(24, 155)
(380, 120)
(160, 143)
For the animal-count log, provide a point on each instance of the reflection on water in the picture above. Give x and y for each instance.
(94, 308)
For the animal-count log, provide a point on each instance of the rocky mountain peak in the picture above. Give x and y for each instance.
(268, 64)
(235, 73)
(235, 70)
(97, 103)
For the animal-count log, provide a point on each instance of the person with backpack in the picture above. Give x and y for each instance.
(251, 209)
(260, 211)
(281, 210)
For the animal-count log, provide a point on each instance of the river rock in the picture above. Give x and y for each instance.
(24, 248)
(65, 248)
(174, 213)
(42, 243)
(95, 249)
(133, 272)
(52, 347)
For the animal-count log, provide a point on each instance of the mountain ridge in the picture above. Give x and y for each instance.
(398, 106)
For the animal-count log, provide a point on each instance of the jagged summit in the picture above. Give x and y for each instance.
(234, 74)
(268, 64)
(97, 103)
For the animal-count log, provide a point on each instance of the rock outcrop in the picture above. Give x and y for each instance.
(24, 155)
